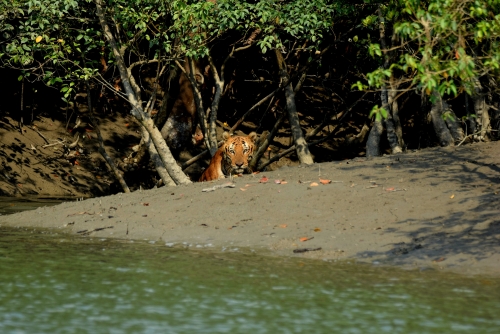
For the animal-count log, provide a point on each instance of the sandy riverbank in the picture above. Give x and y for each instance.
(437, 208)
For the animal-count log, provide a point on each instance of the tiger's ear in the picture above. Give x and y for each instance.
(252, 136)
(226, 135)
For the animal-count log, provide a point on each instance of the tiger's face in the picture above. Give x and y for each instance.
(237, 152)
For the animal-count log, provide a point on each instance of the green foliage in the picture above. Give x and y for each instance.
(46, 38)
(448, 116)
(199, 23)
(378, 112)
(442, 44)
(61, 42)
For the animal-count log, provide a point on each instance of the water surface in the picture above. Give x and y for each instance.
(55, 283)
(9, 205)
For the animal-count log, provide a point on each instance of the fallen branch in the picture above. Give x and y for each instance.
(303, 250)
(73, 144)
(36, 130)
(78, 122)
(54, 144)
(219, 186)
(87, 232)
(392, 191)
(81, 213)
(473, 134)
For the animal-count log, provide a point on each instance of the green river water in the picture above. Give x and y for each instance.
(55, 283)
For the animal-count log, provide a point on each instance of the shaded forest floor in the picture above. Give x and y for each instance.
(433, 208)
(29, 168)
(34, 161)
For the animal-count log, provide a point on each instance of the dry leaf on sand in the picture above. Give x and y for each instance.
(325, 181)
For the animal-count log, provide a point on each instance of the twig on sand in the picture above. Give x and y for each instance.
(81, 213)
(87, 232)
(34, 128)
(389, 190)
(472, 135)
(54, 144)
(219, 186)
(303, 250)
(73, 144)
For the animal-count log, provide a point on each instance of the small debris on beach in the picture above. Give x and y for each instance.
(225, 185)
(325, 181)
(303, 250)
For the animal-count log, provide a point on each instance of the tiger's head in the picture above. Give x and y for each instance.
(237, 152)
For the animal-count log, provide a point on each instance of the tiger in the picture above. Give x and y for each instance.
(231, 158)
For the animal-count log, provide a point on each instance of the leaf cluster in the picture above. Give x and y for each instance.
(441, 45)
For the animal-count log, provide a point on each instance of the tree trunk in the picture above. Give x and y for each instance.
(155, 158)
(101, 148)
(443, 134)
(471, 119)
(174, 170)
(301, 146)
(373, 142)
(137, 111)
(394, 108)
(357, 139)
(495, 120)
(219, 88)
(392, 137)
(481, 110)
(453, 123)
